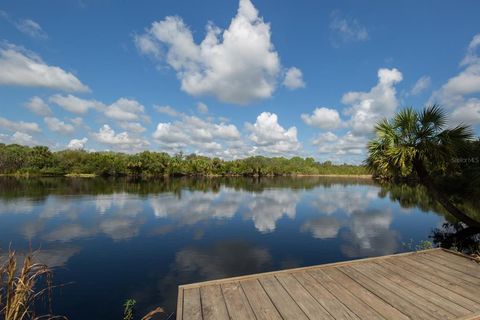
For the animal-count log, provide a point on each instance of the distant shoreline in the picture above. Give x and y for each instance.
(92, 175)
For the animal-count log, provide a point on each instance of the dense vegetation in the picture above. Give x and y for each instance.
(418, 145)
(16, 159)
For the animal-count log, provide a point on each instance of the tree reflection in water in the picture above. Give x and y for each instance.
(452, 234)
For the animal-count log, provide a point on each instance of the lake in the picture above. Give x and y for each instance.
(115, 239)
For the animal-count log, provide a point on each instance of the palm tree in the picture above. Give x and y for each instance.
(417, 144)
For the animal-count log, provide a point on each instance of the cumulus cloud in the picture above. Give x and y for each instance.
(22, 138)
(58, 126)
(77, 144)
(323, 227)
(367, 108)
(236, 65)
(457, 93)
(346, 30)
(166, 110)
(270, 137)
(125, 110)
(266, 208)
(38, 106)
(22, 68)
(336, 147)
(31, 28)
(75, 104)
(133, 127)
(196, 135)
(123, 140)
(421, 85)
(323, 118)
(370, 235)
(202, 107)
(19, 125)
(294, 79)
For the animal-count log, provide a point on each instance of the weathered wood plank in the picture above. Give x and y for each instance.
(361, 309)
(328, 301)
(392, 283)
(282, 300)
(213, 303)
(402, 279)
(261, 304)
(180, 304)
(426, 282)
(433, 284)
(458, 258)
(462, 276)
(390, 297)
(305, 301)
(451, 262)
(237, 303)
(192, 306)
(442, 278)
(327, 265)
(376, 303)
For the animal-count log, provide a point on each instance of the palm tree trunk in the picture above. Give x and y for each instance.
(441, 197)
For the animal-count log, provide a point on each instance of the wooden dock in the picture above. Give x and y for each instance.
(429, 284)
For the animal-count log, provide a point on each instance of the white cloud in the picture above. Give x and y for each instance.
(38, 106)
(19, 125)
(468, 112)
(294, 79)
(202, 107)
(21, 68)
(270, 137)
(59, 126)
(74, 104)
(472, 57)
(323, 118)
(421, 85)
(236, 65)
(367, 108)
(125, 110)
(123, 140)
(166, 110)
(346, 30)
(456, 93)
(267, 207)
(31, 28)
(135, 127)
(77, 144)
(323, 227)
(348, 144)
(22, 138)
(196, 135)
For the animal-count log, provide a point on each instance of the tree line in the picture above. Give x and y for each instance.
(40, 160)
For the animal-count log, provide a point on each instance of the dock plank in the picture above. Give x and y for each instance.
(305, 301)
(282, 300)
(328, 301)
(192, 306)
(237, 303)
(262, 306)
(213, 303)
(357, 306)
(430, 284)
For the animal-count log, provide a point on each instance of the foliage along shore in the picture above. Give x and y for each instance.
(41, 161)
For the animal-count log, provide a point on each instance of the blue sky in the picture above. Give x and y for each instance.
(231, 78)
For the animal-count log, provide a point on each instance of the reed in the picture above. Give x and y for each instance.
(23, 286)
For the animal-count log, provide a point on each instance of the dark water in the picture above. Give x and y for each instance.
(119, 239)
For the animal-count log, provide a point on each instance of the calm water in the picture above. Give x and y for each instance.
(118, 239)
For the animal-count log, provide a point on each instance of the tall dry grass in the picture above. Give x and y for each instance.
(23, 286)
